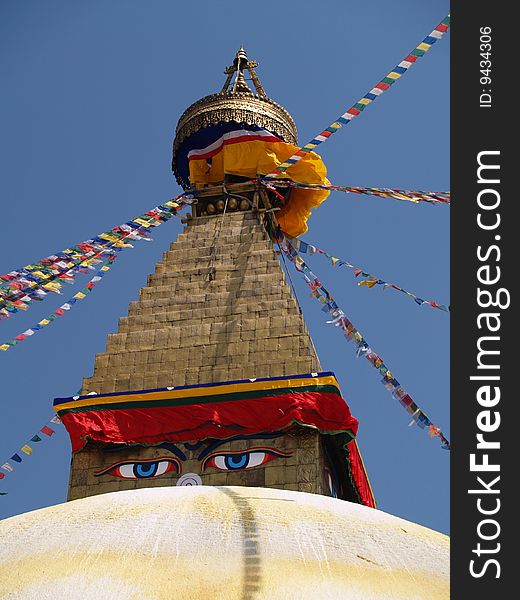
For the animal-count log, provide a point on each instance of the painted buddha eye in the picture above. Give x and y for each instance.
(249, 459)
(141, 469)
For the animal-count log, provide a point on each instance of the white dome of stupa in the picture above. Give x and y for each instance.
(212, 543)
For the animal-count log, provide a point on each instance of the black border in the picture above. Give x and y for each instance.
(475, 129)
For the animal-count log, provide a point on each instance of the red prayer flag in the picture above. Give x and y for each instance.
(47, 430)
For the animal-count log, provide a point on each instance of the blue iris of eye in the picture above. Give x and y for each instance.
(145, 469)
(236, 461)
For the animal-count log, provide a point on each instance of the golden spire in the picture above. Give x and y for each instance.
(241, 63)
(236, 102)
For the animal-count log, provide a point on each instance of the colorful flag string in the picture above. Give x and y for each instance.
(115, 242)
(27, 449)
(370, 280)
(340, 320)
(368, 98)
(34, 281)
(406, 195)
(64, 308)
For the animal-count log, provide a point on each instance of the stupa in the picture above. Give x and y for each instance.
(212, 392)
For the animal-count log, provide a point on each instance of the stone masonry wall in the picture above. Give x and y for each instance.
(187, 328)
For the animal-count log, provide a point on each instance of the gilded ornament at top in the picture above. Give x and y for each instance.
(236, 102)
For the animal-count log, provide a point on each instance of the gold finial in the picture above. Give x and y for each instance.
(237, 103)
(241, 63)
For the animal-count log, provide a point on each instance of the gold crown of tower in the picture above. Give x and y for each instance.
(235, 102)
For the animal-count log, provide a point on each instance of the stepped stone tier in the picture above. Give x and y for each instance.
(217, 308)
(219, 543)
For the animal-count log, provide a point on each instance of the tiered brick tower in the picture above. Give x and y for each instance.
(217, 309)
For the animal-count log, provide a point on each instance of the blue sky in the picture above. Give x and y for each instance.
(92, 92)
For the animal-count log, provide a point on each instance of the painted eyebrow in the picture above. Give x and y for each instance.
(214, 445)
(166, 445)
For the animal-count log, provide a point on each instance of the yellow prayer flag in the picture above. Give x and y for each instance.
(108, 237)
(27, 449)
(79, 295)
(370, 283)
(142, 222)
(43, 322)
(51, 286)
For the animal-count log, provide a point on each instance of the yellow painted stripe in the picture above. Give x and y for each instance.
(200, 391)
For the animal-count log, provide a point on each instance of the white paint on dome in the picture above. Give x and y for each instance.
(78, 587)
(220, 543)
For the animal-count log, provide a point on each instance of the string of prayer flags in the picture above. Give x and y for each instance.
(33, 282)
(340, 320)
(368, 98)
(369, 280)
(405, 195)
(28, 448)
(61, 310)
